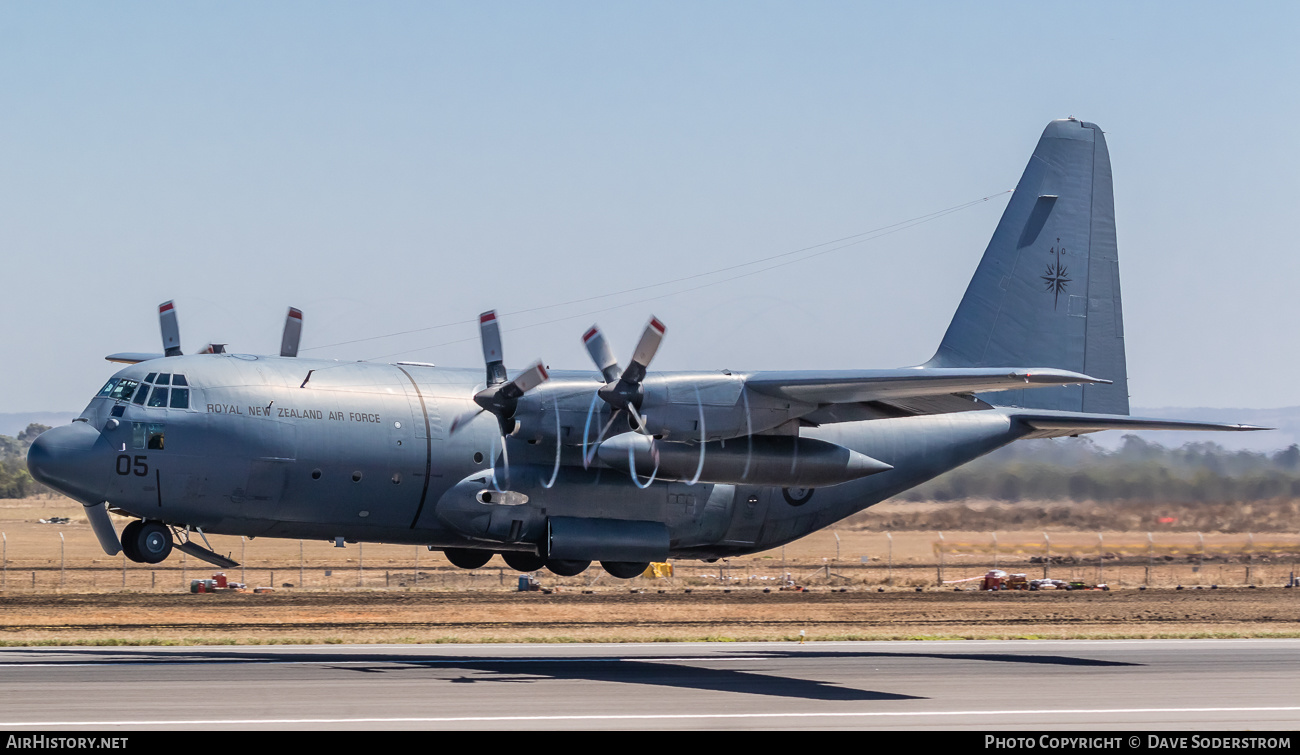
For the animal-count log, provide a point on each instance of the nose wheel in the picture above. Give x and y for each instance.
(146, 542)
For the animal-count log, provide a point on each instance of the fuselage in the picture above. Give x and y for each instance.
(299, 448)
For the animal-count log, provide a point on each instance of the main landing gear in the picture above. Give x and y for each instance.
(147, 542)
(520, 561)
(625, 569)
(467, 558)
(474, 558)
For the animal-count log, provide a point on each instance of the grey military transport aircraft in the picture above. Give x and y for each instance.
(624, 466)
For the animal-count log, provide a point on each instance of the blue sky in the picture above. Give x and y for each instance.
(389, 167)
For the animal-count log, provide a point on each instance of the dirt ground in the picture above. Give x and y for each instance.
(57, 586)
(644, 615)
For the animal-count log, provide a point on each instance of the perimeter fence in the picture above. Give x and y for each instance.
(877, 560)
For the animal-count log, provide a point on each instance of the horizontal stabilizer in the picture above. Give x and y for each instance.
(132, 357)
(1077, 422)
(852, 386)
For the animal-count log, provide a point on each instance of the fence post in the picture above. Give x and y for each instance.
(995, 549)
(5, 559)
(1047, 555)
(942, 548)
(1100, 572)
(1250, 557)
(361, 558)
(1151, 557)
(60, 560)
(890, 574)
(243, 561)
(302, 568)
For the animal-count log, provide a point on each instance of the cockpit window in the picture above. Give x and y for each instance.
(108, 387)
(164, 379)
(158, 397)
(149, 378)
(180, 398)
(179, 380)
(123, 390)
(141, 395)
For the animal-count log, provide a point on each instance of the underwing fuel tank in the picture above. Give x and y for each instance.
(781, 460)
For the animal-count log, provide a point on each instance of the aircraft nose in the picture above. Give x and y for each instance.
(64, 458)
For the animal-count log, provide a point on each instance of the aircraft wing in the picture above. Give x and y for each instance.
(859, 386)
(132, 357)
(1078, 422)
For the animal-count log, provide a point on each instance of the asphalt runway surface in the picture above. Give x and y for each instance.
(1000, 685)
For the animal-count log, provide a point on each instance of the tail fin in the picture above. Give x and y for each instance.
(1046, 293)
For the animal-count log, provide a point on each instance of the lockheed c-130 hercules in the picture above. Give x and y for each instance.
(624, 466)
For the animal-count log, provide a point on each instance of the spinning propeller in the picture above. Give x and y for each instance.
(623, 391)
(499, 398)
(292, 333)
(171, 337)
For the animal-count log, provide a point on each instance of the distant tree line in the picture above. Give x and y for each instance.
(1077, 469)
(15, 480)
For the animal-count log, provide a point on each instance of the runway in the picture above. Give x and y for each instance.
(1001, 685)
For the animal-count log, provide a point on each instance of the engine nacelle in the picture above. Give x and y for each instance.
(678, 407)
(779, 460)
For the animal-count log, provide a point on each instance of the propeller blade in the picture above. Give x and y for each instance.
(292, 333)
(460, 422)
(490, 334)
(501, 401)
(601, 353)
(645, 350)
(637, 420)
(525, 381)
(499, 397)
(627, 392)
(171, 331)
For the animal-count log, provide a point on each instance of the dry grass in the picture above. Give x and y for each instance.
(66, 591)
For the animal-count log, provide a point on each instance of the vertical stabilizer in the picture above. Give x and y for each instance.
(1046, 293)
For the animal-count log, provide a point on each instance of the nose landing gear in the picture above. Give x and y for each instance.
(147, 542)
